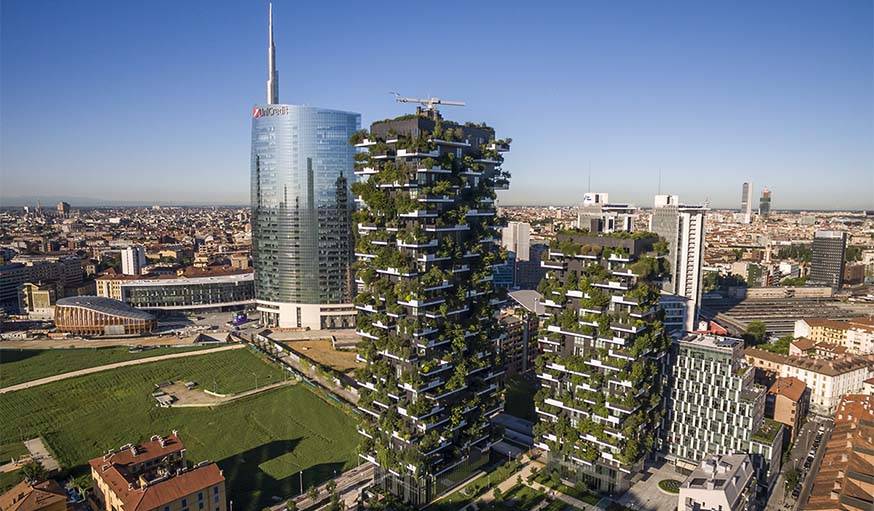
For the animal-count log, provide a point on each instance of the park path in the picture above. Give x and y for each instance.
(218, 401)
(92, 370)
(40, 453)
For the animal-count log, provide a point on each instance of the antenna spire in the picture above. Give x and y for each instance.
(272, 75)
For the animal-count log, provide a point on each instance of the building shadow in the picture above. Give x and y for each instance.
(13, 355)
(251, 489)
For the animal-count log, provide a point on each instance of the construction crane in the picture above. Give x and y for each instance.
(430, 104)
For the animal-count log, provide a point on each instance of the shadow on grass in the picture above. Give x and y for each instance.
(13, 355)
(251, 489)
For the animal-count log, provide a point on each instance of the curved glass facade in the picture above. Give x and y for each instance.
(301, 205)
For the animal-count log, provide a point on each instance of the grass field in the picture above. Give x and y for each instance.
(19, 366)
(260, 442)
(11, 450)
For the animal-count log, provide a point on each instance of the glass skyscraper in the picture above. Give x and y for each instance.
(301, 215)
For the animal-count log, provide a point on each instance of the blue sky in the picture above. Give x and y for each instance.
(150, 101)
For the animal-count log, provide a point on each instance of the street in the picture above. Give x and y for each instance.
(781, 496)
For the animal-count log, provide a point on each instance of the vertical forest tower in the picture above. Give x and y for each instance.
(426, 243)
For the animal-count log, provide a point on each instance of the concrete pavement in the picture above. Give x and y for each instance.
(92, 370)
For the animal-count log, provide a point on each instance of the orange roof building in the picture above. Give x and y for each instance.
(787, 402)
(844, 480)
(44, 496)
(154, 476)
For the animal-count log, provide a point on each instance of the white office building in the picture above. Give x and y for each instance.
(133, 258)
(682, 226)
(599, 215)
(516, 238)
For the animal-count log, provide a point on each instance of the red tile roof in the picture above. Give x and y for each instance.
(790, 387)
(26, 497)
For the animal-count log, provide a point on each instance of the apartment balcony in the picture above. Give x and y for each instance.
(366, 143)
(365, 171)
(447, 228)
(445, 394)
(501, 148)
(436, 199)
(433, 170)
(421, 303)
(552, 265)
(364, 255)
(619, 258)
(419, 213)
(433, 243)
(450, 143)
(613, 285)
(444, 366)
(480, 212)
(430, 258)
(406, 153)
(396, 272)
(432, 343)
(362, 333)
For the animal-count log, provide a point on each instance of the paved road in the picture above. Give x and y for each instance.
(797, 455)
(91, 370)
(810, 475)
(349, 483)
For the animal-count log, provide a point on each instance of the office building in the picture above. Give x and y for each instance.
(516, 238)
(828, 379)
(504, 274)
(133, 259)
(38, 300)
(787, 402)
(63, 209)
(603, 346)
(676, 313)
(192, 290)
(427, 239)
(765, 203)
(155, 475)
(597, 214)
(301, 211)
(844, 479)
(682, 226)
(529, 273)
(720, 483)
(827, 259)
(64, 271)
(746, 203)
(714, 406)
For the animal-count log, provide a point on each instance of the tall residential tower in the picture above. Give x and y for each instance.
(682, 226)
(746, 202)
(427, 242)
(301, 210)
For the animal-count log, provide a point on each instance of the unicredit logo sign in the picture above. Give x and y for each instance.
(267, 111)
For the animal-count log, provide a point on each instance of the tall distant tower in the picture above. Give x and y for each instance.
(765, 203)
(828, 252)
(746, 202)
(301, 210)
(272, 75)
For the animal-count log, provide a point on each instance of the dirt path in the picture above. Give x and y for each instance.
(200, 399)
(92, 370)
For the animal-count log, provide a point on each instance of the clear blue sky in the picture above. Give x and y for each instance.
(150, 101)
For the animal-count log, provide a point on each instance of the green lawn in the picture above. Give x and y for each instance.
(520, 398)
(260, 442)
(11, 450)
(19, 366)
(9, 479)
(517, 497)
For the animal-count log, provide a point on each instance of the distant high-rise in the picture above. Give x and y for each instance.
(746, 202)
(765, 203)
(301, 210)
(827, 259)
(682, 226)
(133, 259)
(516, 237)
(63, 209)
(599, 215)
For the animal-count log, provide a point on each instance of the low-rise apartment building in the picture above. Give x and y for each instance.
(828, 379)
(855, 335)
(720, 483)
(787, 402)
(155, 476)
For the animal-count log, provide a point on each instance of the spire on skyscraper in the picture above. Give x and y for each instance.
(272, 75)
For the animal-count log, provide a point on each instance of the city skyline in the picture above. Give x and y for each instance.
(767, 94)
